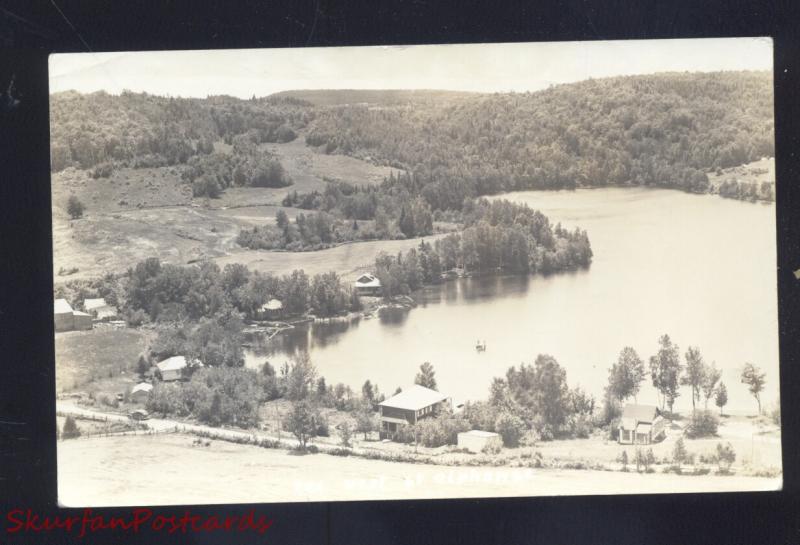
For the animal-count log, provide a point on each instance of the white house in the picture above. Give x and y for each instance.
(641, 425)
(172, 368)
(478, 440)
(367, 284)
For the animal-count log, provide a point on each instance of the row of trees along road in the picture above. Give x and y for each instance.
(668, 374)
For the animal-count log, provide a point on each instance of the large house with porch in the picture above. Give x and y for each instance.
(409, 406)
(641, 425)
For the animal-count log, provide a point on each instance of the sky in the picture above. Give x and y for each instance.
(466, 67)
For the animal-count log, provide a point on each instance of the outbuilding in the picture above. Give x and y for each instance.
(641, 425)
(479, 440)
(140, 392)
(81, 320)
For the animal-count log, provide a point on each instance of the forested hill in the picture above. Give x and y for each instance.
(143, 130)
(664, 129)
(338, 97)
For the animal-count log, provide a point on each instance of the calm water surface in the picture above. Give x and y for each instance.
(700, 268)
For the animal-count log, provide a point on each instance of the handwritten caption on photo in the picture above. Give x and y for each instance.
(26, 521)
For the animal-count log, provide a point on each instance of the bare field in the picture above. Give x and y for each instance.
(349, 260)
(97, 471)
(97, 244)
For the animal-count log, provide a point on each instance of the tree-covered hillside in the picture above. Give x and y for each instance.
(665, 130)
(142, 130)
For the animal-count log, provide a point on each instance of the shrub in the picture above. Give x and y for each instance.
(345, 433)
(75, 207)
(724, 457)
(511, 428)
(103, 170)
(71, 429)
(702, 424)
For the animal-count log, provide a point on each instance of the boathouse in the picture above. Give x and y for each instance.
(641, 425)
(408, 407)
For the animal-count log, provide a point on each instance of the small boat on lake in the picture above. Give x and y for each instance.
(480, 347)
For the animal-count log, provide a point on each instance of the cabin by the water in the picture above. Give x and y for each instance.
(408, 407)
(367, 284)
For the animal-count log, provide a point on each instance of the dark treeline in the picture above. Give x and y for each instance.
(663, 130)
(307, 232)
(143, 130)
(747, 191)
(169, 293)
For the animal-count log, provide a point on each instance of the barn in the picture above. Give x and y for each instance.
(81, 320)
(62, 315)
(478, 440)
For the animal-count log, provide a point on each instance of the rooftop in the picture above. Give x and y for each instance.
(60, 306)
(414, 398)
(272, 304)
(172, 364)
(640, 413)
(91, 304)
(368, 281)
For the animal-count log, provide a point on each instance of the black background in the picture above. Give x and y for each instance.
(29, 31)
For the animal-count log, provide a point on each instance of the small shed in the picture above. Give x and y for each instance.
(140, 392)
(172, 368)
(81, 320)
(62, 315)
(641, 425)
(367, 284)
(478, 440)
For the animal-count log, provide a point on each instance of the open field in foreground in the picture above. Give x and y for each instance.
(167, 469)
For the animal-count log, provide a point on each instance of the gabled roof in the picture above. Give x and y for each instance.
(414, 398)
(368, 281)
(174, 363)
(91, 304)
(639, 413)
(60, 306)
(142, 387)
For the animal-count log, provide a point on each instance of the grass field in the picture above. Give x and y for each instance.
(167, 469)
(349, 260)
(98, 360)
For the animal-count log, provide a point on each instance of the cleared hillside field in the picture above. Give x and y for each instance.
(349, 260)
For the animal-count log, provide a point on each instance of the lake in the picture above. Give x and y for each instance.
(698, 267)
